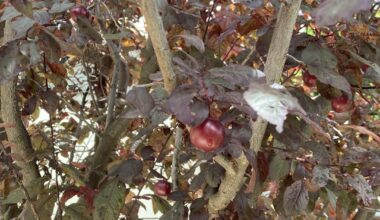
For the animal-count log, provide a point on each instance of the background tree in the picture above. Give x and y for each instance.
(101, 99)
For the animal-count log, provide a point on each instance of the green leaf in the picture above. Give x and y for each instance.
(14, 196)
(176, 212)
(109, 201)
(332, 197)
(160, 204)
(73, 173)
(18, 195)
(77, 211)
(278, 168)
(320, 176)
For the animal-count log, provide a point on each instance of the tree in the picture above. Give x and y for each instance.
(254, 109)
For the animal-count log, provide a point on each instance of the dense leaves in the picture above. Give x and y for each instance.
(100, 129)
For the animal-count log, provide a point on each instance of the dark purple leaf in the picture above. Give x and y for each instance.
(193, 40)
(374, 179)
(320, 152)
(357, 155)
(300, 172)
(140, 98)
(214, 174)
(178, 196)
(128, 170)
(147, 153)
(179, 103)
(241, 132)
(234, 148)
(234, 76)
(362, 187)
(29, 106)
(236, 99)
(200, 112)
(322, 63)
(20, 26)
(50, 101)
(41, 16)
(198, 181)
(296, 198)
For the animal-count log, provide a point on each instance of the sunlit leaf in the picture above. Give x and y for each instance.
(272, 104)
(331, 11)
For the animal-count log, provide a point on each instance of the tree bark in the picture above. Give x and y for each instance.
(273, 68)
(17, 133)
(155, 28)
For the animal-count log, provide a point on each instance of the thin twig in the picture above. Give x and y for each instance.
(208, 21)
(248, 56)
(147, 85)
(177, 145)
(295, 59)
(55, 156)
(77, 131)
(20, 184)
(92, 93)
(68, 105)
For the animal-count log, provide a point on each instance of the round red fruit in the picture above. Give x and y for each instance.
(309, 80)
(162, 188)
(79, 11)
(341, 104)
(207, 136)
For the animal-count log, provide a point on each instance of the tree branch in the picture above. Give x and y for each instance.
(177, 143)
(235, 170)
(108, 142)
(157, 34)
(115, 76)
(231, 183)
(18, 134)
(276, 58)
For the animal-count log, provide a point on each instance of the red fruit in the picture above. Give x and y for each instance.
(309, 80)
(207, 136)
(341, 104)
(79, 11)
(162, 188)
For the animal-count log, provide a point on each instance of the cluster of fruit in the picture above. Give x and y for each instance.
(338, 104)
